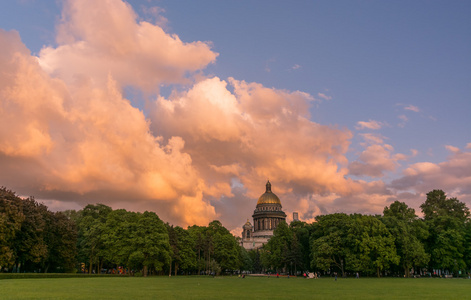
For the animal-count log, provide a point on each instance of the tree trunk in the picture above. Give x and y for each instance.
(377, 271)
(90, 268)
(144, 271)
(170, 272)
(199, 262)
(176, 268)
(209, 261)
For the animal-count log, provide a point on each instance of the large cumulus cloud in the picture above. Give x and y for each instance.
(109, 39)
(69, 134)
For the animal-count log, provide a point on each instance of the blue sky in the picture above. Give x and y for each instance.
(401, 67)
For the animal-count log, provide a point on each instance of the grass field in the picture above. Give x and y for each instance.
(196, 287)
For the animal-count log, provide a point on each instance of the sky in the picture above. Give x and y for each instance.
(187, 108)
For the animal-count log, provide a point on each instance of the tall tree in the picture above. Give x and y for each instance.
(61, 240)
(151, 242)
(283, 250)
(30, 244)
(373, 245)
(197, 234)
(255, 259)
(467, 248)
(409, 232)
(182, 246)
(446, 218)
(329, 243)
(438, 205)
(302, 231)
(225, 246)
(91, 226)
(246, 262)
(118, 237)
(11, 218)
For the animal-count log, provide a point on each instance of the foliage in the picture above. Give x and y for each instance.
(11, 218)
(409, 233)
(215, 243)
(33, 238)
(446, 219)
(329, 242)
(183, 249)
(283, 250)
(96, 238)
(91, 238)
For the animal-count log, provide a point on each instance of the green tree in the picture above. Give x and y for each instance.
(151, 242)
(30, 242)
(118, 234)
(438, 205)
(91, 242)
(198, 234)
(373, 245)
(225, 246)
(467, 249)
(246, 262)
(302, 230)
(283, 250)
(329, 243)
(11, 218)
(182, 246)
(446, 219)
(215, 247)
(255, 258)
(409, 232)
(61, 240)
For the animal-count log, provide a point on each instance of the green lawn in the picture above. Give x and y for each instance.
(233, 288)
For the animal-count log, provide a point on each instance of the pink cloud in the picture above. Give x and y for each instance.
(374, 161)
(251, 133)
(109, 40)
(371, 124)
(324, 96)
(84, 141)
(453, 176)
(412, 108)
(67, 117)
(372, 138)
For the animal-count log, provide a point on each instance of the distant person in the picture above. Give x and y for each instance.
(357, 276)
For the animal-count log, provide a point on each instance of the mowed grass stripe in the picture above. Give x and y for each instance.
(202, 287)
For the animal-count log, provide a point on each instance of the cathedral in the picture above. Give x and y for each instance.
(266, 216)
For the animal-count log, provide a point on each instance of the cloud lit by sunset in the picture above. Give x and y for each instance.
(132, 113)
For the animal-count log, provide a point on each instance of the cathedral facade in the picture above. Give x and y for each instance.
(267, 215)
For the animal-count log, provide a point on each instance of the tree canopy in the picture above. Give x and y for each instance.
(98, 239)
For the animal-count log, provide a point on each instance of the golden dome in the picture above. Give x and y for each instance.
(268, 197)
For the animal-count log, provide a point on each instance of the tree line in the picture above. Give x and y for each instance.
(98, 239)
